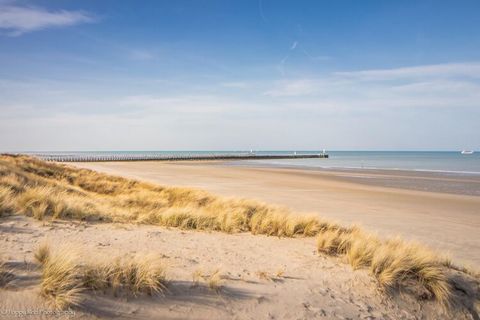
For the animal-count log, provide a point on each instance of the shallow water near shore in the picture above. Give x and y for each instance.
(448, 162)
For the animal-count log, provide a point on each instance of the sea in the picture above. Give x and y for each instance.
(449, 162)
(452, 162)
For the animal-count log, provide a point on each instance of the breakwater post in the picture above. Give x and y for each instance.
(176, 157)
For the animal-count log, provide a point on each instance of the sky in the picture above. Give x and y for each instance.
(239, 75)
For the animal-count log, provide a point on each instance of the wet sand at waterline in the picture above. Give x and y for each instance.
(387, 202)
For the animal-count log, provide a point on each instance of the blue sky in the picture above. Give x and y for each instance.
(229, 75)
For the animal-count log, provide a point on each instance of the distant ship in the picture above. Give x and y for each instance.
(467, 152)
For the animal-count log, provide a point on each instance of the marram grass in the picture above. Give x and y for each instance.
(67, 275)
(39, 189)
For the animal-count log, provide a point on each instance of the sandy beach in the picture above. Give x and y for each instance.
(83, 244)
(387, 202)
(263, 277)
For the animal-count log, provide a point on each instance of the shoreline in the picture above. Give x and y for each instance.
(249, 163)
(454, 182)
(445, 221)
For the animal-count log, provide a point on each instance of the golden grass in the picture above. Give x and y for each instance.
(40, 189)
(397, 261)
(280, 273)
(36, 188)
(197, 276)
(135, 275)
(61, 282)
(393, 262)
(271, 276)
(215, 281)
(42, 253)
(66, 276)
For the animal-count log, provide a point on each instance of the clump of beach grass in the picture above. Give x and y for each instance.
(214, 280)
(67, 276)
(393, 262)
(397, 261)
(271, 276)
(197, 276)
(132, 275)
(42, 253)
(48, 190)
(6, 196)
(61, 283)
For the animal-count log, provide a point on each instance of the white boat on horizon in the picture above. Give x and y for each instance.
(466, 152)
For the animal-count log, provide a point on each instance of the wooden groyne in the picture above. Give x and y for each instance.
(175, 157)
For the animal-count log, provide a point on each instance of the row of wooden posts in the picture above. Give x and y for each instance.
(177, 157)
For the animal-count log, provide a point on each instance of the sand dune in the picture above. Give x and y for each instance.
(222, 264)
(263, 277)
(449, 222)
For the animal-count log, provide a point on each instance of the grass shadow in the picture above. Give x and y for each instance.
(177, 293)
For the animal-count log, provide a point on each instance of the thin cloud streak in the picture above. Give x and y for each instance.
(438, 70)
(431, 86)
(16, 20)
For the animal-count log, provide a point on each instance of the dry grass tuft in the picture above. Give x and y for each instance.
(215, 281)
(61, 282)
(5, 197)
(133, 275)
(197, 277)
(274, 276)
(66, 276)
(42, 253)
(394, 262)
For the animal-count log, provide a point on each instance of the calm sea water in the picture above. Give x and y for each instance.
(435, 161)
(447, 162)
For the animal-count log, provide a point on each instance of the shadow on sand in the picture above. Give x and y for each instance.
(179, 294)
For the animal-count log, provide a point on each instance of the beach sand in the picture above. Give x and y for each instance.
(262, 277)
(390, 203)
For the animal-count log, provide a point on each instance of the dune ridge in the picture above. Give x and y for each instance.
(39, 189)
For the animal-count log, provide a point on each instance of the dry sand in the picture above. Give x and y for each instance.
(264, 277)
(444, 220)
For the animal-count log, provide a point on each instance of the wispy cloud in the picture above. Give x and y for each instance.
(16, 20)
(331, 110)
(438, 70)
(446, 86)
(281, 65)
(297, 87)
(316, 58)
